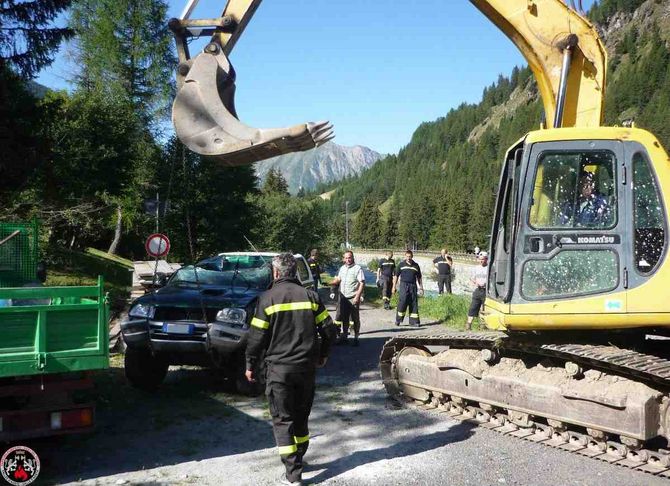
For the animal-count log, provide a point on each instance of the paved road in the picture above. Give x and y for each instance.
(194, 433)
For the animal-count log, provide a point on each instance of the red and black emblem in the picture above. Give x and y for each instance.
(20, 465)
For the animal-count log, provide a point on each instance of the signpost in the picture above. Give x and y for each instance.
(157, 245)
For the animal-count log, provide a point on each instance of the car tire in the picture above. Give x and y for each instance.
(144, 370)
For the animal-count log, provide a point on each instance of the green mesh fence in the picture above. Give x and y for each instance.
(18, 253)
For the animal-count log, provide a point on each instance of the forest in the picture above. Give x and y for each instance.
(90, 163)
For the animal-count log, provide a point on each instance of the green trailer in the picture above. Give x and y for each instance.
(51, 339)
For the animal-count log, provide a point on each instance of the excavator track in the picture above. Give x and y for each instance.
(405, 358)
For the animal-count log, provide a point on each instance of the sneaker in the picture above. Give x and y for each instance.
(284, 480)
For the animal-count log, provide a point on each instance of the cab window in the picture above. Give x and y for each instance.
(648, 216)
(574, 189)
(570, 273)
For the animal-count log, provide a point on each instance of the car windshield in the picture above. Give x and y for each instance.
(247, 271)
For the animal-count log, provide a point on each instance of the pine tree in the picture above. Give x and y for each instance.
(124, 46)
(275, 183)
(27, 43)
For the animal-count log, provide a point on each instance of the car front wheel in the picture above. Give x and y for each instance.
(143, 369)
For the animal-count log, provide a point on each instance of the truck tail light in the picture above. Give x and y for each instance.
(72, 419)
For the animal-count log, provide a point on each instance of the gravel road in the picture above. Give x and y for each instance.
(194, 432)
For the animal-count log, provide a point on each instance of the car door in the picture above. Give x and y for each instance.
(304, 272)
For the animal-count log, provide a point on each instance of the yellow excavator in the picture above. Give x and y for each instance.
(576, 355)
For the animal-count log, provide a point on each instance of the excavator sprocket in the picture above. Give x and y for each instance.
(594, 399)
(206, 122)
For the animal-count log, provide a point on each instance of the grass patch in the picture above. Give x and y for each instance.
(60, 277)
(450, 310)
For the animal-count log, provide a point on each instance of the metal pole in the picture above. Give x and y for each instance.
(346, 224)
(158, 206)
(188, 9)
(569, 44)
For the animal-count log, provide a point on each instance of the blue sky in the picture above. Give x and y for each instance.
(376, 69)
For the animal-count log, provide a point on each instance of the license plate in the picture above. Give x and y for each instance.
(178, 328)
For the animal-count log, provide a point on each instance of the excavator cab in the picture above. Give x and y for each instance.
(203, 112)
(580, 224)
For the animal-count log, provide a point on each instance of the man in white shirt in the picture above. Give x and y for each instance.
(351, 281)
(479, 279)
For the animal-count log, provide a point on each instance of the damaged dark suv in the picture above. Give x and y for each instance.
(200, 317)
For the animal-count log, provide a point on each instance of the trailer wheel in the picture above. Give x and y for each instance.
(143, 369)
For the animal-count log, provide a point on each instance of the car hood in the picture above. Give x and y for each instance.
(173, 296)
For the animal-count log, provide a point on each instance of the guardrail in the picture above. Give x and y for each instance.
(464, 257)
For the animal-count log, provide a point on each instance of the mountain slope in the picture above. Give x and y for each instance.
(330, 162)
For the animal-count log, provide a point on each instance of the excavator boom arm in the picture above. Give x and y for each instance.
(543, 30)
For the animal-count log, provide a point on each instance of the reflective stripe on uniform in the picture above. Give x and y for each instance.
(291, 306)
(301, 440)
(401, 314)
(322, 317)
(260, 323)
(409, 268)
(414, 315)
(286, 450)
(337, 323)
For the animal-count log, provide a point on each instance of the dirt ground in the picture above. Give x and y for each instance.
(193, 431)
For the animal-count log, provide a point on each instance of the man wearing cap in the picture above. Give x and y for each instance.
(479, 279)
(591, 207)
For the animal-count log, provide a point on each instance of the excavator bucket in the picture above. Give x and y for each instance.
(206, 122)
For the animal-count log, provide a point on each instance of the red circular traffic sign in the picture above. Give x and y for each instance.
(157, 245)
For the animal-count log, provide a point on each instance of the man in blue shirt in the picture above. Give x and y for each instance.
(591, 207)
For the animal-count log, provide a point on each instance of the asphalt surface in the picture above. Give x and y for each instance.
(192, 432)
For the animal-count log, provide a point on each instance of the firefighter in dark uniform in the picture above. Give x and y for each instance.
(287, 324)
(385, 272)
(406, 281)
(313, 262)
(443, 267)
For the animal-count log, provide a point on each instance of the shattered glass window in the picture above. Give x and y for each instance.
(648, 216)
(303, 273)
(575, 189)
(570, 273)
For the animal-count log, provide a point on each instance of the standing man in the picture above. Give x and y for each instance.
(479, 279)
(286, 325)
(407, 276)
(313, 262)
(351, 281)
(385, 272)
(443, 266)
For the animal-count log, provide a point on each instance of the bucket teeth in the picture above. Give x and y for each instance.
(205, 118)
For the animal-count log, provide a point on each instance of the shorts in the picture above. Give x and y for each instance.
(478, 299)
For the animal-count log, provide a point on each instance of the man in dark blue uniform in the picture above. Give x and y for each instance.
(293, 330)
(443, 267)
(313, 262)
(407, 280)
(385, 273)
